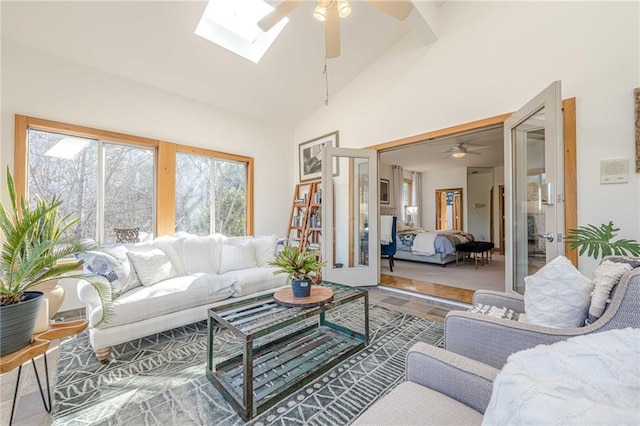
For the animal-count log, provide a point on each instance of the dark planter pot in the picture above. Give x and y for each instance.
(17, 322)
(301, 288)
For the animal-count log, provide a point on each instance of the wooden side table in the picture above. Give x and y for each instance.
(37, 347)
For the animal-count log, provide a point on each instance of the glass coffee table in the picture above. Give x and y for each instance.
(279, 349)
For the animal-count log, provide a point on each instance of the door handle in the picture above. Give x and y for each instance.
(548, 236)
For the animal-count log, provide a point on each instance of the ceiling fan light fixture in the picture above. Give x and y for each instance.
(458, 154)
(344, 8)
(320, 13)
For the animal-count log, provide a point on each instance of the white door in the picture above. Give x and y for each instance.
(350, 216)
(534, 183)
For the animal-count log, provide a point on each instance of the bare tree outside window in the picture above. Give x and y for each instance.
(209, 188)
(70, 167)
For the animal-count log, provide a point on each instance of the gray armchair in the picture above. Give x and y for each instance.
(491, 340)
(442, 388)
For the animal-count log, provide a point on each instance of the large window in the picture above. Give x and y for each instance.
(114, 180)
(105, 184)
(210, 195)
(406, 199)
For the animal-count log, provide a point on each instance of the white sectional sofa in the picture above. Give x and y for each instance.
(172, 281)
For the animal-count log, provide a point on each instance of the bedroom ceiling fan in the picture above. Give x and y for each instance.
(330, 11)
(459, 150)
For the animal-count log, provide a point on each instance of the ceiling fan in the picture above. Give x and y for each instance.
(459, 150)
(330, 11)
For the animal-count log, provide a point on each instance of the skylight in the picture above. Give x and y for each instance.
(233, 24)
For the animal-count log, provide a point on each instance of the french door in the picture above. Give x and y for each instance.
(350, 216)
(534, 182)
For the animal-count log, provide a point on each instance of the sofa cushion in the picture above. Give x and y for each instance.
(112, 263)
(606, 275)
(412, 404)
(152, 266)
(168, 296)
(558, 295)
(264, 249)
(235, 257)
(202, 254)
(253, 280)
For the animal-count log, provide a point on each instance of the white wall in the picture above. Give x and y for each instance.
(44, 86)
(491, 58)
(478, 204)
(498, 179)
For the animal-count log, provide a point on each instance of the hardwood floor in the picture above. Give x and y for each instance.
(431, 289)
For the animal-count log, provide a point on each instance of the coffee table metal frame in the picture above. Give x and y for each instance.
(289, 355)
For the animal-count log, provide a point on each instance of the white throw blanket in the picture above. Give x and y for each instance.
(592, 379)
(424, 243)
(386, 223)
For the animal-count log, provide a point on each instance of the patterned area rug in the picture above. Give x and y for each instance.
(160, 379)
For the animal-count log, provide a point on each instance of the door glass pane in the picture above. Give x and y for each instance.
(351, 213)
(529, 200)
(230, 201)
(129, 182)
(66, 166)
(193, 194)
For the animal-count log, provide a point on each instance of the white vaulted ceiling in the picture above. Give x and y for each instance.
(154, 43)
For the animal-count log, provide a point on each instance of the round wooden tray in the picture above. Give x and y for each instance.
(319, 296)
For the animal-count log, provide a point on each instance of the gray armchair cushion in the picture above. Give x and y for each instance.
(491, 340)
(463, 379)
(410, 404)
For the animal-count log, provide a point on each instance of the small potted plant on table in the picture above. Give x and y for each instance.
(301, 267)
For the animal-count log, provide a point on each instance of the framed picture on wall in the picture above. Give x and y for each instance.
(310, 156)
(384, 191)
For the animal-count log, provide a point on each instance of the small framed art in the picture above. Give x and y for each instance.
(384, 191)
(310, 156)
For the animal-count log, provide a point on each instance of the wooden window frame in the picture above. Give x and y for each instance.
(165, 164)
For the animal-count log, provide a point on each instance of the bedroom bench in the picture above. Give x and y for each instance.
(480, 249)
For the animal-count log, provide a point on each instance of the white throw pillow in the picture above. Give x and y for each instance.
(202, 254)
(152, 266)
(264, 249)
(237, 257)
(558, 295)
(604, 278)
(112, 263)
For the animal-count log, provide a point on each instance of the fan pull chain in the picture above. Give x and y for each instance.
(325, 71)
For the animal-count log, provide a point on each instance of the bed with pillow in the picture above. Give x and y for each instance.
(171, 282)
(438, 247)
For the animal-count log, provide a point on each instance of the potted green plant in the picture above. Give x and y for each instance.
(35, 241)
(301, 268)
(595, 240)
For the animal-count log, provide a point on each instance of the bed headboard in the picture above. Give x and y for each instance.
(391, 211)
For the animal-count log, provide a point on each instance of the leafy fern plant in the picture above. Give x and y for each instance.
(35, 242)
(594, 240)
(297, 264)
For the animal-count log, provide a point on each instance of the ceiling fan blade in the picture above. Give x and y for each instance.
(399, 9)
(332, 33)
(276, 15)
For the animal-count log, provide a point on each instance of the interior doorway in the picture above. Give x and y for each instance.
(460, 132)
(449, 209)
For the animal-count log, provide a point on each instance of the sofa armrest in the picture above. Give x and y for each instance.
(88, 295)
(455, 376)
(501, 300)
(491, 340)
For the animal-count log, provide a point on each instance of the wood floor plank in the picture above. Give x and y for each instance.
(431, 289)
